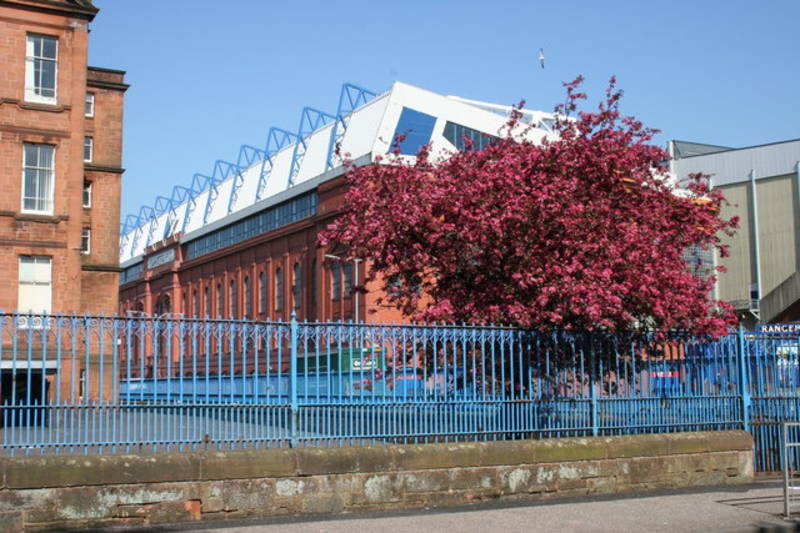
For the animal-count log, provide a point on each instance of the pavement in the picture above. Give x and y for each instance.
(745, 508)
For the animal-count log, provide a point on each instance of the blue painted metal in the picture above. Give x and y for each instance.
(210, 184)
(146, 213)
(744, 390)
(293, 396)
(277, 139)
(249, 156)
(310, 120)
(131, 223)
(180, 195)
(160, 206)
(350, 99)
(182, 384)
(224, 170)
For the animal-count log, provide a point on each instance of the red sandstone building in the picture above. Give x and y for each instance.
(60, 161)
(241, 242)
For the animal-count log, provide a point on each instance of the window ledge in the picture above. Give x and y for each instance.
(34, 217)
(36, 106)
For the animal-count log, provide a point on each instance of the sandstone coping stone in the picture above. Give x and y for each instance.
(70, 471)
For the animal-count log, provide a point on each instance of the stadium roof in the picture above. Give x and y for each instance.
(365, 125)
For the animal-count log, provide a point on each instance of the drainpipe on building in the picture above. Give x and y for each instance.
(756, 243)
(797, 211)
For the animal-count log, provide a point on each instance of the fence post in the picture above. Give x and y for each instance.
(293, 380)
(744, 389)
(593, 385)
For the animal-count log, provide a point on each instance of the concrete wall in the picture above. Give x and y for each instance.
(41, 493)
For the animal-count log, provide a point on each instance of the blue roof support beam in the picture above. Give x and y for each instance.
(310, 120)
(160, 206)
(146, 213)
(131, 223)
(201, 183)
(224, 170)
(351, 98)
(249, 155)
(277, 140)
(180, 195)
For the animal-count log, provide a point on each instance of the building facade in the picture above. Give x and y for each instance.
(242, 241)
(60, 162)
(762, 187)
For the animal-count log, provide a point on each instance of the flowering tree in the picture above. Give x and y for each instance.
(581, 232)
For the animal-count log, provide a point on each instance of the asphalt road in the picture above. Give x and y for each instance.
(749, 508)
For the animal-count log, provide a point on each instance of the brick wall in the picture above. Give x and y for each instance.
(61, 124)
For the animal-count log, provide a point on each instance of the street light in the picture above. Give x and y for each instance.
(356, 261)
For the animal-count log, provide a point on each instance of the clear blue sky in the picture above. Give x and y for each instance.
(209, 75)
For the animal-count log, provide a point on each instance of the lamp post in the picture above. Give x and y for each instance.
(356, 261)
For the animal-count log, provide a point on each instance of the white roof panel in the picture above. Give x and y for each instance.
(369, 131)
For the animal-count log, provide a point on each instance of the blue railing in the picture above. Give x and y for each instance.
(78, 384)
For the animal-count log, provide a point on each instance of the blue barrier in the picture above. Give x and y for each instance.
(78, 384)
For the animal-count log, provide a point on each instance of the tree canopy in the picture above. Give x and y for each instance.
(583, 231)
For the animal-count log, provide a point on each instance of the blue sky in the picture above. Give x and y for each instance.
(208, 76)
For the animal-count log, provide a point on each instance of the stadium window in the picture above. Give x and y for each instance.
(279, 289)
(220, 301)
(248, 298)
(457, 135)
(233, 299)
(336, 284)
(262, 300)
(297, 275)
(41, 65)
(37, 178)
(348, 279)
(416, 128)
(312, 282)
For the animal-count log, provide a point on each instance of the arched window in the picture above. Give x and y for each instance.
(278, 289)
(163, 305)
(262, 300)
(196, 303)
(233, 299)
(248, 298)
(312, 283)
(220, 301)
(348, 279)
(336, 282)
(297, 285)
(207, 298)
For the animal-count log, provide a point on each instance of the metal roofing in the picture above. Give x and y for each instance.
(292, 161)
(735, 165)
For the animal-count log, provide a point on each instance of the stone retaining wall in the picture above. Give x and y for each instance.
(41, 493)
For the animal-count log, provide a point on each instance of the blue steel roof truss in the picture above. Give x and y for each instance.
(277, 139)
(310, 120)
(350, 99)
(146, 213)
(224, 170)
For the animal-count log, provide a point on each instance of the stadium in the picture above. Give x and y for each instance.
(240, 241)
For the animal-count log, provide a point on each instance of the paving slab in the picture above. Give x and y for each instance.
(751, 508)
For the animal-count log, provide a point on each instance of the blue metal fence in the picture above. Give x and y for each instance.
(76, 384)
